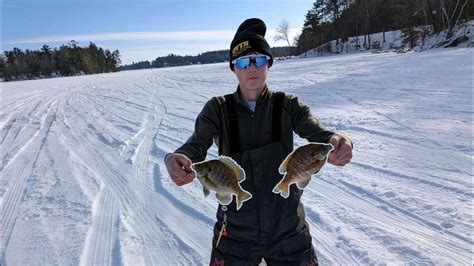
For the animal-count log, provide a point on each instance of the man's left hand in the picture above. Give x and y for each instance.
(342, 153)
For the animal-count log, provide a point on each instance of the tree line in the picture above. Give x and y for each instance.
(203, 58)
(340, 19)
(326, 21)
(67, 60)
(178, 60)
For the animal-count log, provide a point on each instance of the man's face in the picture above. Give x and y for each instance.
(252, 78)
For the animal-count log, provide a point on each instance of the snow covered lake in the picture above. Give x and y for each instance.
(83, 179)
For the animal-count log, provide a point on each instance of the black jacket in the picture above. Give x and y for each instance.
(267, 220)
(255, 128)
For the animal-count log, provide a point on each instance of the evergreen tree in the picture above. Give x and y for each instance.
(3, 66)
(333, 19)
(68, 60)
(312, 27)
(46, 61)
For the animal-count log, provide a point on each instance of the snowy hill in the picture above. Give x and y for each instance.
(83, 180)
(463, 36)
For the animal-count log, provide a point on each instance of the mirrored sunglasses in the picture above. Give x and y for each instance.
(244, 61)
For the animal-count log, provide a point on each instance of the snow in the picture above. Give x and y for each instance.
(83, 180)
(393, 41)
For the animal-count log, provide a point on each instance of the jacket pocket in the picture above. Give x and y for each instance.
(230, 247)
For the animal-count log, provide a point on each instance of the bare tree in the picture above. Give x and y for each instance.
(283, 32)
(449, 17)
(367, 25)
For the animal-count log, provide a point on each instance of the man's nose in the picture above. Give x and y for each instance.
(252, 65)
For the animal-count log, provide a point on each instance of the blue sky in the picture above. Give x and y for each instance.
(142, 30)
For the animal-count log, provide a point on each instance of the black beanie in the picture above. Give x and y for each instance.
(250, 37)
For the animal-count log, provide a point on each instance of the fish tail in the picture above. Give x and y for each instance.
(282, 188)
(242, 197)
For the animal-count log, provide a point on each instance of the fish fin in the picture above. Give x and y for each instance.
(207, 184)
(284, 164)
(224, 199)
(282, 188)
(193, 166)
(241, 174)
(201, 180)
(303, 183)
(234, 166)
(243, 197)
(317, 166)
(206, 191)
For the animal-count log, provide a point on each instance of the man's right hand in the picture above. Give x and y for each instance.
(179, 168)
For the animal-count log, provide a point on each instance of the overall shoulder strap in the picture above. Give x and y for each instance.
(233, 125)
(221, 101)
(232, 121)
(276, 115)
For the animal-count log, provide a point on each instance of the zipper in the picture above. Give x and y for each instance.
(256, 197)
(253, 131)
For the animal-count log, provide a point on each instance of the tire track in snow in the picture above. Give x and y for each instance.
(127, 192)
(143, 168)
(6, 125)
(165, 233)
(323, 241)
(414, 178)
(102, 246)
(20, 128)
(186, 256)
(432, 225)
(103, 232)
(189, 225)
(395, 245)
(103, 125)
(328, 239)
(141, 152)
(13, 188)
(101, 115)
(356, 231)
(102, 109)
(160, 153)
(100, 243)
(188, 210)
(405, 126)
(396, 223)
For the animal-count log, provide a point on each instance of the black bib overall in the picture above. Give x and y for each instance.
(267, 226)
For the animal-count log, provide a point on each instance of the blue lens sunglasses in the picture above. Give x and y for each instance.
(244, 61)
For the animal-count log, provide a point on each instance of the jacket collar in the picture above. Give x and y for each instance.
(264, 97)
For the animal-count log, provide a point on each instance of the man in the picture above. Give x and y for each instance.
(255, 127)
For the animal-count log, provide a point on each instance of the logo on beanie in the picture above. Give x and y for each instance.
(239, 48)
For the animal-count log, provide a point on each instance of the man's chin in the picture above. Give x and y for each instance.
(257, 85)
(254, 88)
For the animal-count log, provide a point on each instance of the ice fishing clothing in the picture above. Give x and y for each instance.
(268, 225)
(254, 127)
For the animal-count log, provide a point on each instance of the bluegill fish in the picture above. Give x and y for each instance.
(299, 165)
(223, 176)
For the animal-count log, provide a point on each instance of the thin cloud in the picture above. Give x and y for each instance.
(144, 36)
(133, 36)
